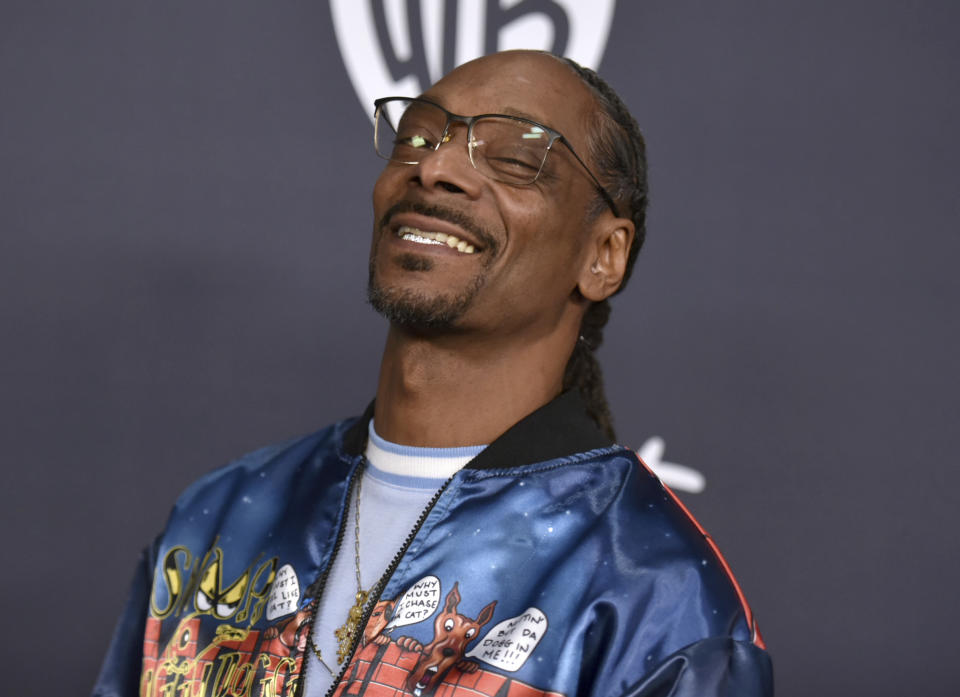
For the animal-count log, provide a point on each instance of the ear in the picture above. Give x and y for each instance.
(453, 599)
(604, 262)
(486, 614)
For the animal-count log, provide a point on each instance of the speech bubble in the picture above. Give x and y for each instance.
(511, 642)
(419, 602)
(284, 593)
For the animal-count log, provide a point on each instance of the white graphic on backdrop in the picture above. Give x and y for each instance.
(400, 47)
(679, 477)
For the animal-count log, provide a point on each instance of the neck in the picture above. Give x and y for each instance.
(457, 390)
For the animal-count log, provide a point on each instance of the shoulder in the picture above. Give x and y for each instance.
(270, 467)
(663, 571)
(661, 547)
(685, 551)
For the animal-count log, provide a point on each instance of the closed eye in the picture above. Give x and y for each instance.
(503, 162)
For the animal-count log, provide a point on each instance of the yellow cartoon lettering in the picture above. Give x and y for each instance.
(259, 591)
(171, 580)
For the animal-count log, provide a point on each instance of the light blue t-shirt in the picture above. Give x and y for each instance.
(397, 484)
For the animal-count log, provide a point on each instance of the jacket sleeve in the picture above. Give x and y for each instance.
(714, 667)
(120, 672)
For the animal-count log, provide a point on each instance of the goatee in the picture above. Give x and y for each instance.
(419, 311)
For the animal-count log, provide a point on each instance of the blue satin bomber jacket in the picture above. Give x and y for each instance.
(554, 564)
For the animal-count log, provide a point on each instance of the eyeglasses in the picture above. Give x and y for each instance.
(509, 149)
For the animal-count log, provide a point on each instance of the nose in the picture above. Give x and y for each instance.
(448, 168)
(448, 652)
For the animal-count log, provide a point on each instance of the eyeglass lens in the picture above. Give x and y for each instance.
(502, 148)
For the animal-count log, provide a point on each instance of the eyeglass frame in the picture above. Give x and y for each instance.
(469, 121)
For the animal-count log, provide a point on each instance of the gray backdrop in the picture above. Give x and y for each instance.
(185, 217)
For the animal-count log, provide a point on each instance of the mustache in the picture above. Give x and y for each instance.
(449, 215)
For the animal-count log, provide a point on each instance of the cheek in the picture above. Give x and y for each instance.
(550, 245)
(379, 190)
(385, 191)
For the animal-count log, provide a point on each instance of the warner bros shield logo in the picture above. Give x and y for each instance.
(401, 47)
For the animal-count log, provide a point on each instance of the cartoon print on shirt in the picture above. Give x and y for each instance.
(291, 633)
(383, 666)
(379, 618)
(452, 632)
(205, 655)
(235, 661)
(186, 580)
(212, 597)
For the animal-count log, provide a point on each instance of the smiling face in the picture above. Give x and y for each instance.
(454, 249)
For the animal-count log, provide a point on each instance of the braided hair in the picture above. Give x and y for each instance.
(619, 155)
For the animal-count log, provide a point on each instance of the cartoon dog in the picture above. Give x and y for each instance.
(379, 619)
(452, 633)
(290, 632)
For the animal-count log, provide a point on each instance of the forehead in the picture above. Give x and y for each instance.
(522, 83)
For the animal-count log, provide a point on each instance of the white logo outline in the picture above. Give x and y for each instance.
(401, 47)
(675, 476)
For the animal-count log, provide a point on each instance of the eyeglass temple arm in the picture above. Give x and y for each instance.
(608, 199)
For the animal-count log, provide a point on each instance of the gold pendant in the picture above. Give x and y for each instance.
(348, 629)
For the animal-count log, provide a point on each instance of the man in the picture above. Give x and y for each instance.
(476, 529)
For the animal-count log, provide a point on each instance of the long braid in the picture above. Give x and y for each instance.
(583, 369)
(619, 154)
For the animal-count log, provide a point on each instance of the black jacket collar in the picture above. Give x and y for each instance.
(559, 428)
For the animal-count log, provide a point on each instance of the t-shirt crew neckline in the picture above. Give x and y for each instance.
(404, 465)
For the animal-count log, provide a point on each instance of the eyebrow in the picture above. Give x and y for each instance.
(509, 111)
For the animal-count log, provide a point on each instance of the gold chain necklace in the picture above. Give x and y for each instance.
(348, 629)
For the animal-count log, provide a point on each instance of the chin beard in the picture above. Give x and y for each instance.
(414, 310)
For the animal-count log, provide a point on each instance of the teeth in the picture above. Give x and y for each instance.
(412, 234)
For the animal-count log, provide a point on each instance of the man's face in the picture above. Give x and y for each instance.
(528, 242)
